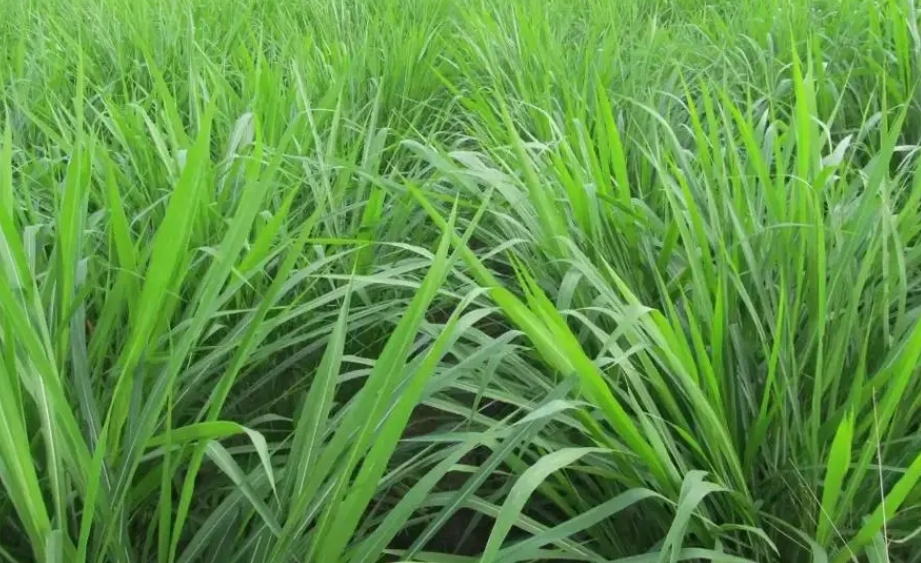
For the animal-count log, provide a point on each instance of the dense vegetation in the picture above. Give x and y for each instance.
(460, 280)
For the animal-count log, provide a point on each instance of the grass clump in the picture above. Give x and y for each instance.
(460, 281)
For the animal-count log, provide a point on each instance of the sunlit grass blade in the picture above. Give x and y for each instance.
(839, 461)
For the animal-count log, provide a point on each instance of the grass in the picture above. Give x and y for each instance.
(455, 281)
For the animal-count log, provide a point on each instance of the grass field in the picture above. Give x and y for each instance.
(458, 281)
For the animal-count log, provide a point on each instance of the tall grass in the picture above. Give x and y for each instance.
(460, 281)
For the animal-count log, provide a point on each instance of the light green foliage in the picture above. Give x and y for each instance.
(460, 281)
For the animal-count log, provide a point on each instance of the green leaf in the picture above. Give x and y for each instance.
(522, 490)
(226, 463)
(693, 491)
(839, 460)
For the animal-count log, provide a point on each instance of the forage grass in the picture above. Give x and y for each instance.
(462, 281)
